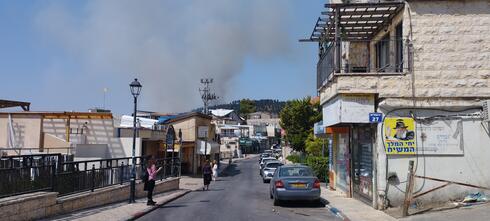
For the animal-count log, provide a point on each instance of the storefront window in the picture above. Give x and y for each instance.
(342, 162)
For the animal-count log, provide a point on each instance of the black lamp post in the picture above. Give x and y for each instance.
(135, 91)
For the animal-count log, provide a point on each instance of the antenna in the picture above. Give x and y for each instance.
(105, 92)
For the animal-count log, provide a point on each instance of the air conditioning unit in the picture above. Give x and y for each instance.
(486, 110)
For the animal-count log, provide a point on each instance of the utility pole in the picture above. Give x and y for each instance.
(206, 96)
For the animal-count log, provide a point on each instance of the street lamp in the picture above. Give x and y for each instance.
(135, 91)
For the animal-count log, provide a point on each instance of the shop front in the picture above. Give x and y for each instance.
(350, 142)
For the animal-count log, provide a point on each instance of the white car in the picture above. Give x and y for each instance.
(263, 161)
(269, 169)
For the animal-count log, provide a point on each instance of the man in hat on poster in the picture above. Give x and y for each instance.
(401, 131)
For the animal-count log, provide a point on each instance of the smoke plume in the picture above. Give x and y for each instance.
(168, 45)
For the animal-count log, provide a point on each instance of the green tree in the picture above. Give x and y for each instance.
(297, 119)
(313, 145)
(247, 106)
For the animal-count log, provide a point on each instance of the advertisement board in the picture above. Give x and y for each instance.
(399, 135)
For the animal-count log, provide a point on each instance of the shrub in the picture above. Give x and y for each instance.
(295, 158)
(318, 164)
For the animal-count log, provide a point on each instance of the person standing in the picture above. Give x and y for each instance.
(215, 170)
(206, 174)
(150, 184)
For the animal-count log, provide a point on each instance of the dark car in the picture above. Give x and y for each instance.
(294, 182)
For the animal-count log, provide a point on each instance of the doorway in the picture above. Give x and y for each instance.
(362, 163)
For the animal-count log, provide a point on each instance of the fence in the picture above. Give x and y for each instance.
(78, 176)
(365, 57)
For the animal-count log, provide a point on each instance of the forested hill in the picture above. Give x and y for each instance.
(266, 105)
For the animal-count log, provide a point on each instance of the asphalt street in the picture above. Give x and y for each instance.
(240, 194)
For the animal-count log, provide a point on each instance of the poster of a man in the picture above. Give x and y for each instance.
(399, 135)
(402, 133)
(399, 129)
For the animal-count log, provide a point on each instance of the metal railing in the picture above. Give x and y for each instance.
(31, 151)
(325, 66)
(78, 176)
(382, 57)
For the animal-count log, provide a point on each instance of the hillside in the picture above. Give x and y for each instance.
(265, 105)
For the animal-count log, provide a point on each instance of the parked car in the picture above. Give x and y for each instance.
(264, 155)
(263, 161)
(268, 171)
(294, 182)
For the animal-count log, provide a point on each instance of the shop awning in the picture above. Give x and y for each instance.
(357, 21)
(212, 147)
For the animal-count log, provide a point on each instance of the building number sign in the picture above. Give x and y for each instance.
(375, 117)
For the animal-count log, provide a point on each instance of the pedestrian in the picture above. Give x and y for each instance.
(215, 170)
(150, 183)
(206, 174)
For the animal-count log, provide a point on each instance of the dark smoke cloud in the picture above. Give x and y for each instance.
(170, 45)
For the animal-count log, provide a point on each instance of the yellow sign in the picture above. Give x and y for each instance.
(399, 135)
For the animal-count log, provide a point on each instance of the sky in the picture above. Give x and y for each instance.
(63, 55)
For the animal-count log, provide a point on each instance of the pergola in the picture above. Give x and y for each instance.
(353, 21)
(8, 103)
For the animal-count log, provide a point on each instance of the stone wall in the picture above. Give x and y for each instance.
(45, 204)
(451, 42)
(451, 49)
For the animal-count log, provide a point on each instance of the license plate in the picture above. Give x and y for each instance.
(298, 185)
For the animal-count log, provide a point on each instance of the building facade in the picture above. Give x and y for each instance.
(198, 140)
(401, 81)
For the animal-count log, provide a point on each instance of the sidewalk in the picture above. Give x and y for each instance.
(355, 210)
(122, 210)
(351, 209)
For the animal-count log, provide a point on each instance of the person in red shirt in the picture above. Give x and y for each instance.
(150, 184)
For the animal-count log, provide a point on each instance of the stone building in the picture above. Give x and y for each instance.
(401, 81)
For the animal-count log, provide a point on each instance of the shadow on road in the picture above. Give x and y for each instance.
(230, 171)
(173, 206)
(210, 189)
(302, 204)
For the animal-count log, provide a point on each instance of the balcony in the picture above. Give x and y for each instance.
(385, 57)
(362, 39)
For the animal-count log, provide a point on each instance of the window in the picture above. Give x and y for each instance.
(383, 54)
(399, 48)
(295, 171)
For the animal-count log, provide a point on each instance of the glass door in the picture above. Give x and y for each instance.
(362, 163)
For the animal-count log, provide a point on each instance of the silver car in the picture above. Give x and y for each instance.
(265, 160)
(294, 182)
(268, 171)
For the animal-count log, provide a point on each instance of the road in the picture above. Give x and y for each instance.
(239, 195)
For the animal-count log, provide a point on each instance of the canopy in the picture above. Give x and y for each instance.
(212, 147)
(127, 122)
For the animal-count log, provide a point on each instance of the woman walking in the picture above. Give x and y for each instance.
(206, 172)
(150, 184)
(215, 170)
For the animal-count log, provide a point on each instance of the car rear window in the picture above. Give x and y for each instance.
(273, 165)
(295, 171)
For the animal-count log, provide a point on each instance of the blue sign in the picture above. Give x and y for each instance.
(375, 117)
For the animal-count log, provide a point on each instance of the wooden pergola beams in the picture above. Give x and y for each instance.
(356, 21)
(8, 103)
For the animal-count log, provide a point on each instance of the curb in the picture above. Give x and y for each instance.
(334, 210)
(150, 209)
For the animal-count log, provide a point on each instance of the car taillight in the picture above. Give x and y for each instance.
(316, 185)
(279, 184)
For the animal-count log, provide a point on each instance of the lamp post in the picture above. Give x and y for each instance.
(135, 91)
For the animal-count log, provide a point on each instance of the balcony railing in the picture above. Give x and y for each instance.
(364, 57)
